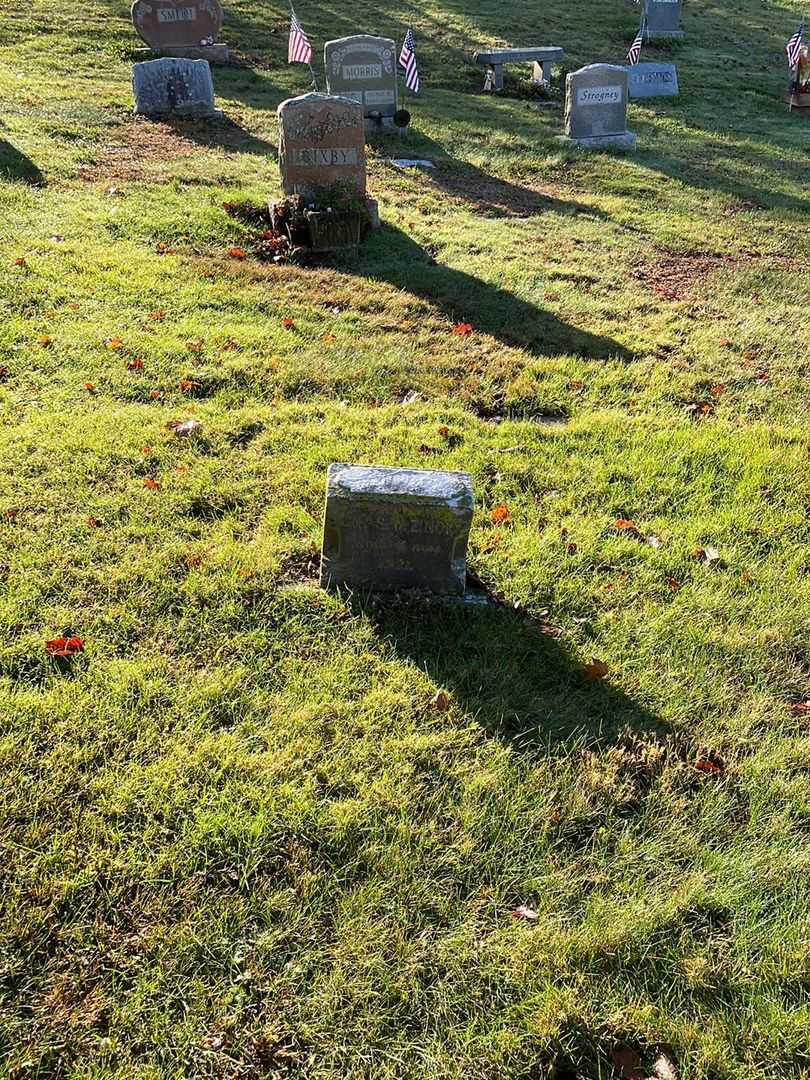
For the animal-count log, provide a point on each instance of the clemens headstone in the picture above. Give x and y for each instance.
(596, 107)
(188, 28)
(170, 87)
(363, 68)
(652, 80)
(387, 529)
(321, 145)
(664, 18)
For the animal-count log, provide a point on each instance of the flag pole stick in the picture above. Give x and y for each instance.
(312, 73)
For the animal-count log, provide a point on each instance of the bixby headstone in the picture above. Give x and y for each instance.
(364, 68)
(664, 18)
(172, 87)
(387, 529)
(652, 80)
(321, 145)
(596, 107)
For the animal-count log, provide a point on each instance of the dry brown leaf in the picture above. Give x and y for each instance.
(441, 702)
(595, 670)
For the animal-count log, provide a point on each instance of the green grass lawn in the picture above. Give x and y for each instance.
(239, 838)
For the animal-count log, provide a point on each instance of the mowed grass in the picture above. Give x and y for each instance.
(239, 839)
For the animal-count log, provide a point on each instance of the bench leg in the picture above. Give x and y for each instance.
(540, 73)
(498, 70)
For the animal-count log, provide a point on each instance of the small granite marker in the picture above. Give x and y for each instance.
(664, 18)
(387, 529)
(170, 87)
(184, 28)
(596, 108)
(364, 68)
(652, 80)
(321, 144)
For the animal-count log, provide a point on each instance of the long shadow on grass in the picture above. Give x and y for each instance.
(520, 684)
(392, 256)
(14, 165)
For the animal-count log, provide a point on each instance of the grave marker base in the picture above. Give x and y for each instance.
(625, 141)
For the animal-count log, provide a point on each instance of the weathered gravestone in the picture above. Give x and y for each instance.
(652, 80)
(596, 107)
(172, 87)
(185, 28)
(322, 145)
(364, 68)
(664, 18)
(388, 529)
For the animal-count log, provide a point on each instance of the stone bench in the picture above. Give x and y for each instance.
(543, 58)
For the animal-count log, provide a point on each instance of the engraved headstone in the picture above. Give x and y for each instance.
(364, 68)
(596, 107)
(664, 18)
(167, 24)
(321, 144)
(652, 80)
(388, 529)
(171, 87)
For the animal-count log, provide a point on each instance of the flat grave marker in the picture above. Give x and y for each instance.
(652, 80)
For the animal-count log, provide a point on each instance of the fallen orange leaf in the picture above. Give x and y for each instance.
(135, 365)
(89, 388)
(155, 394)
(287, 323)
(711, 767)
(499, 515)
(20, 261)
(114, 343)
(64, 646)
(151, 484)
(596, 670)
(799, 708)
(45, 341)
(236, 253)
(462, 329)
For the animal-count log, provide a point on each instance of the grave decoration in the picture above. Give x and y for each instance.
(596, 108)
(183, 28)
(364, 68)
(540, 57)
(389, 529)
(652, 80)
(322, 160)
(171, 87)
(664, 18)
(798, 92)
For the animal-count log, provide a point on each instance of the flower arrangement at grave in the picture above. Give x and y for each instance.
(800, 79)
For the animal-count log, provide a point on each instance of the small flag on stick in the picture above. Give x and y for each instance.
(635, 49)
(793, 47)
(407, 60)
(299, 50)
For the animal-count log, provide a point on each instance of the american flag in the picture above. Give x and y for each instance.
(407, 60)
(793, 47)
(299, 50)
(635, 49)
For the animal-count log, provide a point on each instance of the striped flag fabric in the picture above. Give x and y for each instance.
(635, 49)
(793, 47)
(299, 50)
(407, 60)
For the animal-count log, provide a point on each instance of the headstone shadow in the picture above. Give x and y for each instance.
(391, 255)
(14, 165)
(221, 133)
(520, 685)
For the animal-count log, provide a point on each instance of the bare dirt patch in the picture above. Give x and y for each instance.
(673, 276)
(138, 149)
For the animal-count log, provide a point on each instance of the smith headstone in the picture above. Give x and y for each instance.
(167, 24)
(171, 87)
(387, 529)
(321, 145)
(596, 107)
(664, 18)
(652, 80)
(364, 68)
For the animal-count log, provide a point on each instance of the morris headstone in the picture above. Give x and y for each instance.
(321, 145)
(186, 28)
(172, 87)
(652, 80)
(387, 529)
(596, 107)
(664, 18)
(364, 68)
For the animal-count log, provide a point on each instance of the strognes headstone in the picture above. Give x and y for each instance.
(387, 529)
(364, 68)
(167, 24)
(652, 80)
(321, 145)
(596, 107)
(664, 18)
(172, 87)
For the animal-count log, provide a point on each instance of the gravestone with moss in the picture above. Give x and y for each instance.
(387, 529)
